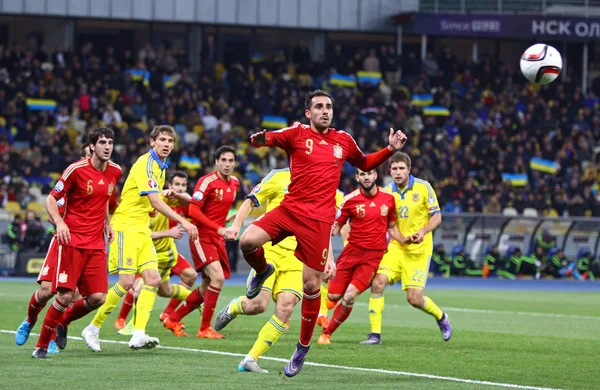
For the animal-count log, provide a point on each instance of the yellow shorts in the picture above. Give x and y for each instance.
(131, 253)
(167, 260)
(288, 273)
(411, 268)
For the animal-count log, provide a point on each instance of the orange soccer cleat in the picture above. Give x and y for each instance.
(163, 317)
(324, 338)
(120, 323)
(209, 333)
(331, 304)
(323, 321)
(175, 327)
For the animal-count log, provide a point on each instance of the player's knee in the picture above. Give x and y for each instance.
(334, 297)
(45, 293)
(284, 310)
(379, 284)
(65, 296)
(312, 285)
(152, 280)
(96, 300)
(217, 280)
(189, 276)
(349, 298)
(164, 291)
(126, 285)
(415, 300)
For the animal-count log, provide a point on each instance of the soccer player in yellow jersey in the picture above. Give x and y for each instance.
(418, 214)
(132, 252)
(284, 286)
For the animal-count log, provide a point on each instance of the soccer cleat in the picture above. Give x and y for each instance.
(294, 366)
(175, 327)
(445, 327)
(91, 338)
(23, 332)
(209, 333)
(255, 283)
(323, 322)
(127, 330)
(120, 323)
(324, 338)
(61, 336)
(40, 353)
(373, 338)
(52, 348)
(140, 340)
(224, 317)
(248, 364)
(163, 316)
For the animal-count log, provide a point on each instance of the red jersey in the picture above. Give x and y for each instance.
(369, 217)
(316, 161)
(214, 196)
(86, 192)
(181, 210)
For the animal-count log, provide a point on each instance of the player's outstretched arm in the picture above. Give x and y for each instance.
(62, 230)
(397, 140)
(175, 232)
(279, 138)
(164, 209)
(184, 198)
(232, 232)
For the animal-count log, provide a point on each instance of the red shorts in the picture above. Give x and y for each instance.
(355, 265)
(208, 249)
(313, 236)
(48, 271)
(85, 269)
(180, 266)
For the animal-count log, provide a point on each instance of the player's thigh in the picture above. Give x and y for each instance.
(391, 265)
(123, 251)
(48, 270)
(288, 282)
(273, 226)
(213, 271)
(147, 258)
(203, 251)
(364, 273)
(415, 267)
(313, 239)
(69, 266)
(166, 261)
(223, 257)
(342, 278)
(94, 277)
(180, 266)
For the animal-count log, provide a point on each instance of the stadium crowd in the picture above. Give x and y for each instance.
(496, 122)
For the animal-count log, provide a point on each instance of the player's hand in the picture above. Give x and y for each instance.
(176, 232)
(153, 213)
(330, 269)
(335, 229)
(110, 233)
(168, 193)
(231, 234)
(417, 238)
(62, 233)
(397, 139)
(259, 139)
(221, 232)
(191, 229)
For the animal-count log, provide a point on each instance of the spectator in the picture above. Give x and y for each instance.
(111, 116)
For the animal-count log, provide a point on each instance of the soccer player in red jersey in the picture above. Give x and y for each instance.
(81, 250)
(372, 213)
(213, 196)
(316, 154)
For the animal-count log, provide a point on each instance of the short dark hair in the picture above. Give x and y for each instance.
(309, 98)
(157, 130)
(181, 174)
(225, 149)
(400, 157)
(84, 150)
(98, 132)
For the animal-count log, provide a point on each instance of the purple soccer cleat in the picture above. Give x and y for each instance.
(293, 367)
(256, 281)
(445, 327)
(373, 338)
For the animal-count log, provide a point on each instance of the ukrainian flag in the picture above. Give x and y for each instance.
(373, 78)
(539, 164)
(138, 74)
(41, 104)
(341, 80)
(170, 81)
(422, 100)
(274, 122)
(515, 179)
(436, 111)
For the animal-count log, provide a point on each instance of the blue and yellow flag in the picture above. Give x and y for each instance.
(422, 100)
(274, 122)
(436, 111)
(373, 78)
(539, 164)
(340, 80)
(41, 104)
(516, 179)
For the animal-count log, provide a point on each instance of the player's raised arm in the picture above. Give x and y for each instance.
(164, 209)
(183, 197)
(279, 138)
(370, 161)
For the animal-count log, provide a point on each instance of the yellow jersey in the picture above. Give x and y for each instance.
(161, 223)
(271, 190)
(414, 205)
(339, 198)
(147, 176)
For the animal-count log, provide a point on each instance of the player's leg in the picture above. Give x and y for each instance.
(341, 313)
(214, 272)
(188, 277)
(323, 319)
(166, 289)
(128, 303)
(145, 302)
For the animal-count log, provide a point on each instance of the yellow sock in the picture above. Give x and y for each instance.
(376, 303)
(324, 291)
(144, 306)
(237, 309)
(112, 299)
(267, 336)
(180, 293)
(431, 308)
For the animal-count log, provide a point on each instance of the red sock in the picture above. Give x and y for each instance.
(311, 303)
(173, 303)
(193, 301)
(75, 312)
(256, 259)
(340, 315)
(210, 302)
(127, 304)
(34, 309)
(53, 317)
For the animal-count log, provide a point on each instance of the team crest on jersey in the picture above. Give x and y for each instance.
(415, 197)
(384, 210)
(337, 151)
(129, 261)
(61, 202)
(59, 186)
(111, 188)
(45, 270)
(198, 195)
(63, 277)
(152, 183)
(256, 189)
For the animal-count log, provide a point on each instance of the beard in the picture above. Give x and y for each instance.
(367, 188)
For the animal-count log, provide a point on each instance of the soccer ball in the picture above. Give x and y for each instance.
(541, 64)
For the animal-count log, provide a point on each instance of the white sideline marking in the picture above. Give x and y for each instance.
(347, 368)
